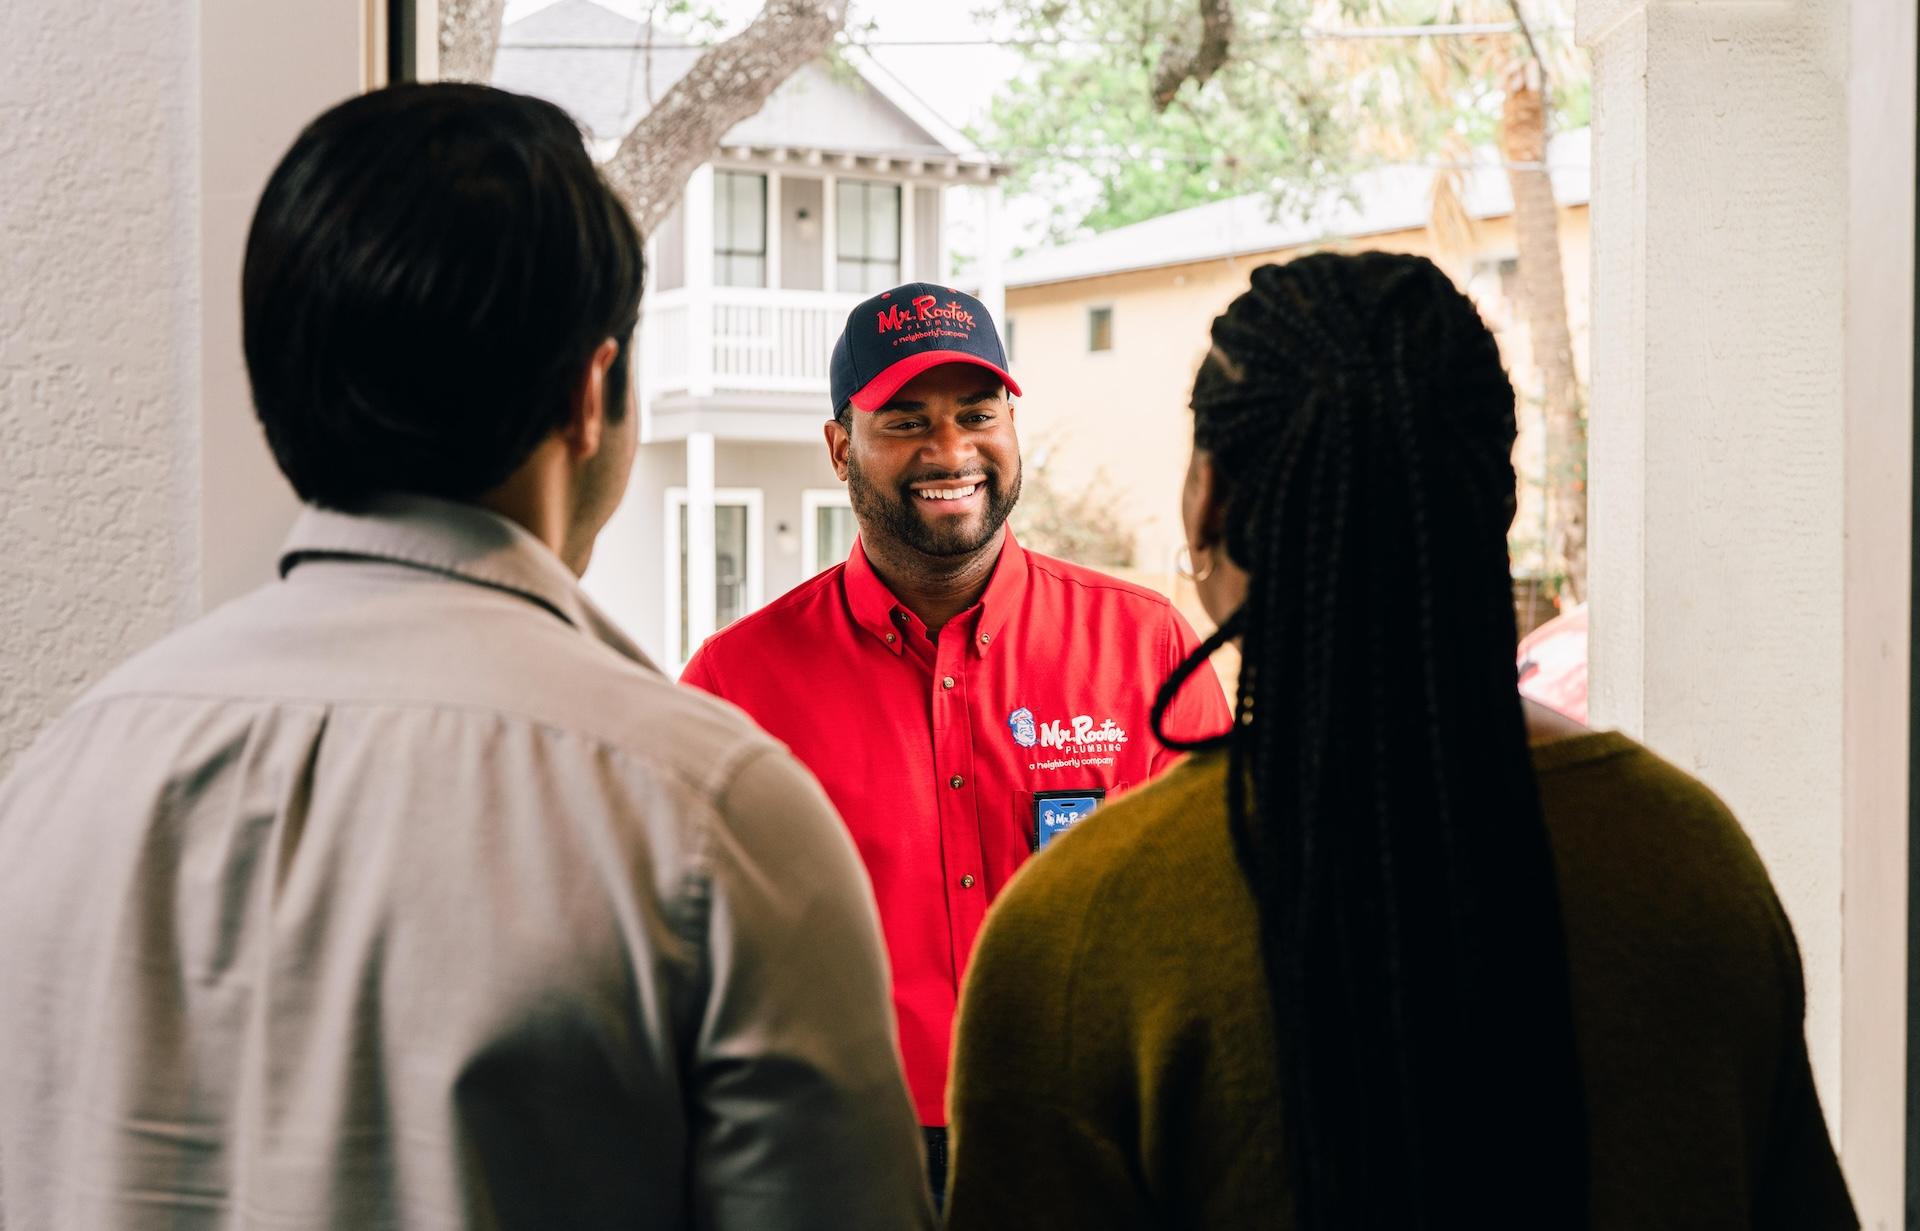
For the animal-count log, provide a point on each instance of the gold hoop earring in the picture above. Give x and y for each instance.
(1183, 564)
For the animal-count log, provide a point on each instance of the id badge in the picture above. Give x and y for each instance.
(1055, 812)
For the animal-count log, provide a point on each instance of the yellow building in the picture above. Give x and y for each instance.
(1106, 333)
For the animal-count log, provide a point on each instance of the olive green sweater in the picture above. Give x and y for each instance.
(1114, 1062)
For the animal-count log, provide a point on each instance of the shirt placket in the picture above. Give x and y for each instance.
(959, 791)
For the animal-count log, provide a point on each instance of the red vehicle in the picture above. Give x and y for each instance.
(1553, 663)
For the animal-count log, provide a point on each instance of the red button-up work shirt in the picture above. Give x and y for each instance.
(932, 750)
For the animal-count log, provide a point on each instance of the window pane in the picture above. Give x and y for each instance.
(833, 535)
(749, 232)
(850, 219)
(686, 651)
(883, 222)
(729, 563)
(1099, 329)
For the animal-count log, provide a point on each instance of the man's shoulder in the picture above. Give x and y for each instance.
(485, 655)
(1098, 586)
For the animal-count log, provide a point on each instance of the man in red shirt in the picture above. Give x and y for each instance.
(961, 699)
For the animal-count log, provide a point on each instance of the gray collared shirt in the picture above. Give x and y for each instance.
(404, 892)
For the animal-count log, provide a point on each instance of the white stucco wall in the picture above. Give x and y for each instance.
(99, 342)
(135, 488)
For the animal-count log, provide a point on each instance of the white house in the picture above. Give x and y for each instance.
(842, 185)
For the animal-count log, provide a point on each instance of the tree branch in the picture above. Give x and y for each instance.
(1179, 66)
(729, 83)
(469, 38)
(1533, 48)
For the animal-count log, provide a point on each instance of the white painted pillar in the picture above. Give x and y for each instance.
(1879, 489)
(774, 229)
(830, 231)
(1750, 469)
(699, 574)
(910, 270)
(993, 277)
(698, 211)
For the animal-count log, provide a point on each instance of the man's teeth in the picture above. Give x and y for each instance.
(949, 493)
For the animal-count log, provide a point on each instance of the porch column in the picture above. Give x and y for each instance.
(1750, 470)
(699, 574)
(698, 211)
(993, 278)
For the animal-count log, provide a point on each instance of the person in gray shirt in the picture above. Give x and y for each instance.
(404, 891)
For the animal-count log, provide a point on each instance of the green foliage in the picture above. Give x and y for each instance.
(1080, 126)
(1289, 114)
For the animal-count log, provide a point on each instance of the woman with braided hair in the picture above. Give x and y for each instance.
(1398, 950)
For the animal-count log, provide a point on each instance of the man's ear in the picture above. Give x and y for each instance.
(587, 415)
(839, 440)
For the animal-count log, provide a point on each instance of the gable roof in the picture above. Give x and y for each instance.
(1382, 200)
(598, 65)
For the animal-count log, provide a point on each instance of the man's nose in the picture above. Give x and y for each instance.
(949, 447)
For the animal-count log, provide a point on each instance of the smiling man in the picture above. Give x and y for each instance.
(962, 699)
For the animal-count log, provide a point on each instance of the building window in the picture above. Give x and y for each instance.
(1010, 324)
(828, 528)
(737, 563)
(1099, 329)
(866, 235)
(739, 228)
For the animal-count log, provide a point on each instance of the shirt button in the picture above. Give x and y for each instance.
(889, 638)
(946, 681)
(956, 781)
(985, 637)
(966, 882)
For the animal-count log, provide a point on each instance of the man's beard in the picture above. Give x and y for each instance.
(894, 515)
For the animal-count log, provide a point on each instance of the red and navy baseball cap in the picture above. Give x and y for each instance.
(898, 334)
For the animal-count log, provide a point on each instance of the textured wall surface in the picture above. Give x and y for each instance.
(1719, 420)
(99, 270)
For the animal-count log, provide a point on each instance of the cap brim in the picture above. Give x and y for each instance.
(880, 390)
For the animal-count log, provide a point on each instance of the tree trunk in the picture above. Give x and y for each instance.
(727, 85)
(1536, 224)
(469, 39)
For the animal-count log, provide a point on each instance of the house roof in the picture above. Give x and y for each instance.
(1377, 201)
(597, 64)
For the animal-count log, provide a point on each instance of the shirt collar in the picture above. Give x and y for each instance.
(874, 606)
(460, 541)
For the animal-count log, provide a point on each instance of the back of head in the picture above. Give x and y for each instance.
(428, 274)
(1383, 801)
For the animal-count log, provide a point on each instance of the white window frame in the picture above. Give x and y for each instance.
(769, 203)
(675, 505)
(900, 219)
(812, 500)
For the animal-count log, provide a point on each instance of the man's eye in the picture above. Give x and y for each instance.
(982, 417)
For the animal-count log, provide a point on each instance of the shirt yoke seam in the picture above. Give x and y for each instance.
(1097, 582)
(709, 787)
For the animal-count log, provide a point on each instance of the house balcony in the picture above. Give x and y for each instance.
(734, 350)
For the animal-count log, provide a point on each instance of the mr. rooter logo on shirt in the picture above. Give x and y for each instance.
(927, 316)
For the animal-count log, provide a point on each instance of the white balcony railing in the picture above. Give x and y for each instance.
(740, 340)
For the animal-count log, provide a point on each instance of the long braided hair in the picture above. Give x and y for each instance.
(1380, 791)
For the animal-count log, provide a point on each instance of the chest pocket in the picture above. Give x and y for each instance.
(1026, 817)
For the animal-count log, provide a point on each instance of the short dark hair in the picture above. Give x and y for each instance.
(430, 269)
(843, 414)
